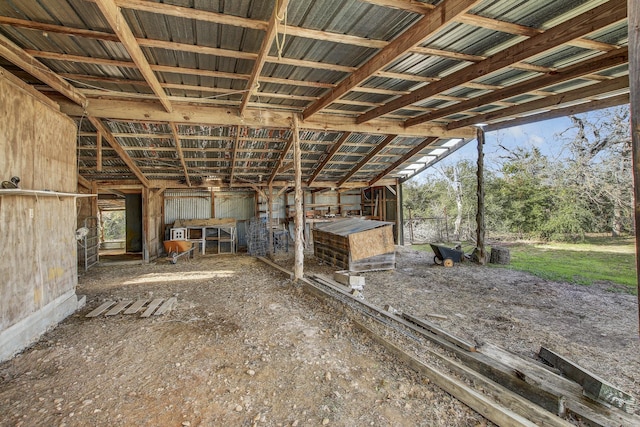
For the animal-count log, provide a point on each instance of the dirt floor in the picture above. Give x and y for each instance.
(245, 347)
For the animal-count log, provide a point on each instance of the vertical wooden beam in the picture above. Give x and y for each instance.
(99, 152)
(146, 235)
(176, 138)
(234, 155)
(399, 214)
(298, 271)
(94, 200)
(634, 86)
(480, 194)
(270, 219)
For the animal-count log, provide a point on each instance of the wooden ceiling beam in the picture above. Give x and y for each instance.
(334, 149)
(585, 107)
(27, 62)
(143, 111)
(521, 30)
(598, 63)
(417, 149)
(277, 16)
(582, 93)
(176, 139)
(106, 134)
(381, 146)
(599, 17)
(426, 26)
(116, 20)
(406, 5)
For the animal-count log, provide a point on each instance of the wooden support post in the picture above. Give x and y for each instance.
(99, 151)
(480, 192)
(298, 272)
(270, 218)
(94, 200)
(633, 13)
(399, 213)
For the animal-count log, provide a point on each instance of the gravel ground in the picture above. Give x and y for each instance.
(246, 347)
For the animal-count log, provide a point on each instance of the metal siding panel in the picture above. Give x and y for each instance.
(238, 205)
(191, 204)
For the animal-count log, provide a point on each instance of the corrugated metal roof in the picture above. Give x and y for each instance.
(345, 227)
(312, 67)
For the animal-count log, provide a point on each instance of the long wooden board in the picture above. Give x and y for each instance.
(593, 386)
(480, 403)
(166, 307)
(152, 306)
(98, 311)
(118, 308)
(136, 306)
(436, 330)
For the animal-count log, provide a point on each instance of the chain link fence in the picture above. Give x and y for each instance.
(437, 229)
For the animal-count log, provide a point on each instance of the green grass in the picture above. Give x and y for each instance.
(594, 260)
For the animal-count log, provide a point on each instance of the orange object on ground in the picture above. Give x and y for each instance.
(176, 245)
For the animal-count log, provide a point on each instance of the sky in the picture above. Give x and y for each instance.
(546, 135)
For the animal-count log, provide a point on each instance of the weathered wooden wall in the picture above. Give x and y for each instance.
(38, 251)
(153, 204)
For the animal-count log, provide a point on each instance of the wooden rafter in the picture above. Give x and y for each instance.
(427, 25)
(19, 57)
(521, 30)
(599, 17)
(417, 149)
(176, 139)
(116, 20)
(84, 182)
(585, 107)
(582, 93)
(595, 64)
(286, 149)
(334, 149)
(406, 5)
(106, 133)
(272, 32)
(381, 146)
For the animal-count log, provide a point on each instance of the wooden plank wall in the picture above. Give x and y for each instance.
(38, 255)
(154, 233)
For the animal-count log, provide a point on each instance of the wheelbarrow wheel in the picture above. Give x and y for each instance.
(448, 262)
(173, 257)
(437, 261)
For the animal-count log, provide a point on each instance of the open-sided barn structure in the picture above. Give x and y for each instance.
(301, 109)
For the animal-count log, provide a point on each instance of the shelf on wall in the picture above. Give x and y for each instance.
(38, 193)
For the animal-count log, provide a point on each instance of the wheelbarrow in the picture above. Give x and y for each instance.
(446, 256)
(178, 248)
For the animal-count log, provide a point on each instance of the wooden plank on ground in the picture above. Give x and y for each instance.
(118, 308)
(544, 396)
(98, 311)
(480, 403)
(593, 386)
(136, 306)
(166, 307)
(152, 306)
(440, 332)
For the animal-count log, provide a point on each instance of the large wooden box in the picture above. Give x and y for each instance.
(356, 244)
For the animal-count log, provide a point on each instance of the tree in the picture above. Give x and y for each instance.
(601, 168)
